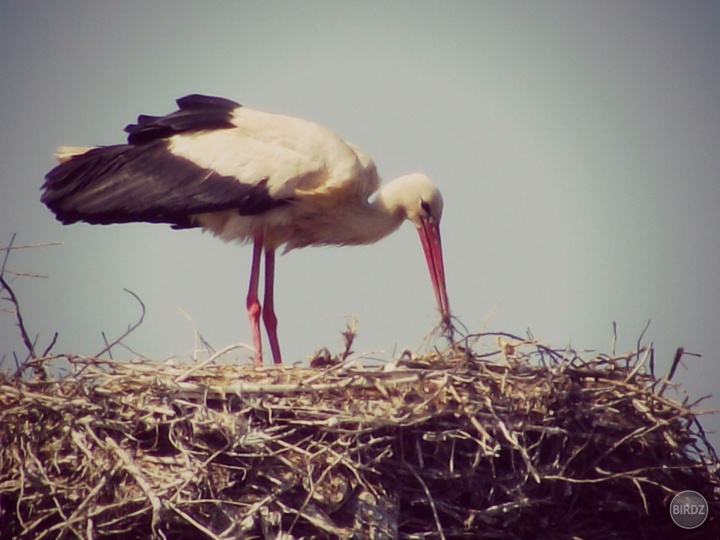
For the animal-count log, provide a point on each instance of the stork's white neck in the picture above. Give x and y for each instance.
(362, 222)
(397, 201)
(381, 217)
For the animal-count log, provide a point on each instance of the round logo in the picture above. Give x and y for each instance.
(688, 509)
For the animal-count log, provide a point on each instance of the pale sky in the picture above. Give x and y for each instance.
(576, 145)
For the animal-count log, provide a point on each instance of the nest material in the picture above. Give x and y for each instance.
(518, 442)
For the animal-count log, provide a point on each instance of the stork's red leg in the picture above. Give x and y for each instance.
(253, 303)
(269, 312)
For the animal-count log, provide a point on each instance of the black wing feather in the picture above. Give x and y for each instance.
(196, 113)
(144, 181)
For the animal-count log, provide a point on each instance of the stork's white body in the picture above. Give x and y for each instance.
(302, 161)
(250, 176)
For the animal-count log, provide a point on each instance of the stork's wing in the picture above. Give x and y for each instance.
(125, 183)
(145, 181)
(195, 112)
(295, 157)
(210, 155)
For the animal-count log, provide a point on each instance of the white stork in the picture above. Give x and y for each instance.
(250, 176)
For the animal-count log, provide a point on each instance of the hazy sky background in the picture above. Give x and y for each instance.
(577, 146)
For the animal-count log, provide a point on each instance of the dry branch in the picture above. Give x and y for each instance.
(518, 441)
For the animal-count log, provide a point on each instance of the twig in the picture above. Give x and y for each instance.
(676, 362)
(130, 329)
(313, 487)
(144, 484)
(640, 363)
(18, 317)
(28, 246)
(642, 335)
(679, 353)
(349, 337)
(193, 522)
(430, 499)
(14, 301)
(210, 360)
(27, 342)
(50, 346)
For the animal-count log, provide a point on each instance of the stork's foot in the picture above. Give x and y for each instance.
(257, 361)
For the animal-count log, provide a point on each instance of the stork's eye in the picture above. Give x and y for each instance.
(426, 208)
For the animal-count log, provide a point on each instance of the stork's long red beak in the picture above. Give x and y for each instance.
(432, 244)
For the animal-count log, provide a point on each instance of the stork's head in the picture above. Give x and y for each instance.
(420, 200)
(417, 197)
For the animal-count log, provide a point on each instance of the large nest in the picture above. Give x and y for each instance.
(519, 441)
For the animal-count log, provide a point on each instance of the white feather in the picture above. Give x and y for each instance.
(294, 156)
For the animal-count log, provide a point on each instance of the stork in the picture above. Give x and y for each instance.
(251, 176)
